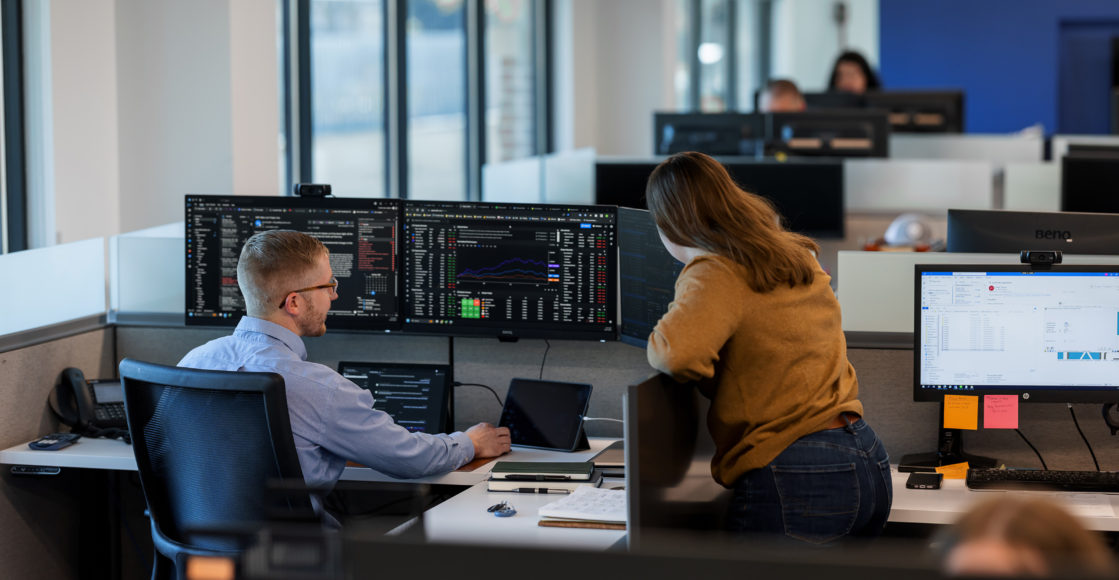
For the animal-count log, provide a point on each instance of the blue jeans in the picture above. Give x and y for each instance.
(825, 486)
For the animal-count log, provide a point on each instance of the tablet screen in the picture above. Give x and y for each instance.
(546, 414)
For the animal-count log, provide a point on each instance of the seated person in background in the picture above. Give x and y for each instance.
(755, 323)
(781, 96)
(852, 74)
(1025, 537)
(288, 285)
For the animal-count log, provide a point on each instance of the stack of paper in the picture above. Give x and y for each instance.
(587, 507)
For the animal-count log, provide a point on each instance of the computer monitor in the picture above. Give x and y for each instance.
(361, 235)
(1043, 335)
(510, 270)
(834, 100)
(647, 276)
(1038, 334)
(835, 133)
(808, 193)
(1088, 175)
(921, 111)
(416, 396)
(710, 133)
(997, 231)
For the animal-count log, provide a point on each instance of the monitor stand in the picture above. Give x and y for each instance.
(950, 450)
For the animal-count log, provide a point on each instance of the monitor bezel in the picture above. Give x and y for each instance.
(333, 322)
(1024, 394)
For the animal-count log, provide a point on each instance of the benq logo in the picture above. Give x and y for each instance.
(1053, 234)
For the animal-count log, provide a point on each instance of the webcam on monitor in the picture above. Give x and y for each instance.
(1040, 258)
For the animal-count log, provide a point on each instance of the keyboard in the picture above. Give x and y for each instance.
(1039, 479)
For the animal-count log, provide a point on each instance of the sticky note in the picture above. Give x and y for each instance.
(954, 471)
(961, 412)
(1000, 412)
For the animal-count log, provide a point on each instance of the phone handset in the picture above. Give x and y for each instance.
(75, 403)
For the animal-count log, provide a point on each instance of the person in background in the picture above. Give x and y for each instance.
(1025, 537)
(852, 74)
(755, 324)
(780, 96)
(288, 285)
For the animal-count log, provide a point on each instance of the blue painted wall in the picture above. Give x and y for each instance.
(1003, 53)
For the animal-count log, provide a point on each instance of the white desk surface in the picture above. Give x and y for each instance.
(463, 517)
(945, 505)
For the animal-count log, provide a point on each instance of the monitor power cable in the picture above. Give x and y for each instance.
(1081, 431)
(1039, 457)
(487, 387)
(547, 347)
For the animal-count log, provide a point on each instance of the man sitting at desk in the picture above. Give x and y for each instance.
(332, 419)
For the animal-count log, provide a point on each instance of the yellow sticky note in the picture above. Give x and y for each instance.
(954, 471)
(961, 412)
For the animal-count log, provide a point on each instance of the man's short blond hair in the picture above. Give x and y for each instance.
(274, 263)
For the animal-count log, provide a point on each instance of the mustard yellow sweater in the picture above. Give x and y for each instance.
(773, 364)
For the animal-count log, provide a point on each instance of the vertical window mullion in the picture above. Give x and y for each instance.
(396, 98)
(544, 130)
(475, 97)
(14, 228)
(303, 171)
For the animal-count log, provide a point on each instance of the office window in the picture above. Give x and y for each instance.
(722, 53)
(436, 64)
(714, 54)
(383, 104)
(347, 46)
(511, 80)
(13, 193)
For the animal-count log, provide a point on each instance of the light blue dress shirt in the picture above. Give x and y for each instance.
(332, 419)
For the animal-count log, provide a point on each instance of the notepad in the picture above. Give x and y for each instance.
(587, 507)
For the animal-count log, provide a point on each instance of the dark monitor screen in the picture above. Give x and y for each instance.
(416, 396)
(809, 194)
(921, 111)
(835, 133)
(360, 234)
(834, 100)
(997, 231)
(710, 133)
(647, 275)
(1042, 335)
(510, 270)
(1088, 182)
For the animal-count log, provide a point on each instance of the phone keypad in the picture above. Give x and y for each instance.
(110, 412)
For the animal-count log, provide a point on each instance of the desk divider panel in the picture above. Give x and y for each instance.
(1032, 187)
(892, 186)
(993, 148)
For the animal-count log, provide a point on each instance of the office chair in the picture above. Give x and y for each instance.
(207, 444)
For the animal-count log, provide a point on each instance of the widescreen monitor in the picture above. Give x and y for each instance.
(710, 133)
(1088, 178)
(1041, 335)
(361, 235)
(808, 193)
(834, 133)
(647, 275)
(997, 231)
(921, 111)
(510, 270)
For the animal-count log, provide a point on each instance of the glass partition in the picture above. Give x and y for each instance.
(569, 176)
(146, 269)
(50, 285)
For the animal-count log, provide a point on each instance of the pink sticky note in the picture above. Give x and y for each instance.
(1000, 411)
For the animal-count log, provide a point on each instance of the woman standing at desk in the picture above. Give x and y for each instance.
(756, 323)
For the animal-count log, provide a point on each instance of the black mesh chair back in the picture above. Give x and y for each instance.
(207, 445)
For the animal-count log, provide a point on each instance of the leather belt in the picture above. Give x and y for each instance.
(839, 421)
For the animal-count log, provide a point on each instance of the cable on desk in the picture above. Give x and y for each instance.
(547, 347)
(1039, 458)
(487, 387)
(1081, 431)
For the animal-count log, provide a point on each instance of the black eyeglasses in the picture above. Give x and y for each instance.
(333, 285)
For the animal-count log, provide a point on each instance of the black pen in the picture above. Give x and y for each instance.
(536, 477)
(540, 490)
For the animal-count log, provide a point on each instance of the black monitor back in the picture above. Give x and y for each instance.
(1088, 180)
(831, 133)
(921, 111)
(710, 133)
(809, 194)
(998, 231)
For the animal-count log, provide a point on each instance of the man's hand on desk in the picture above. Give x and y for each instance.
(489, 441)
